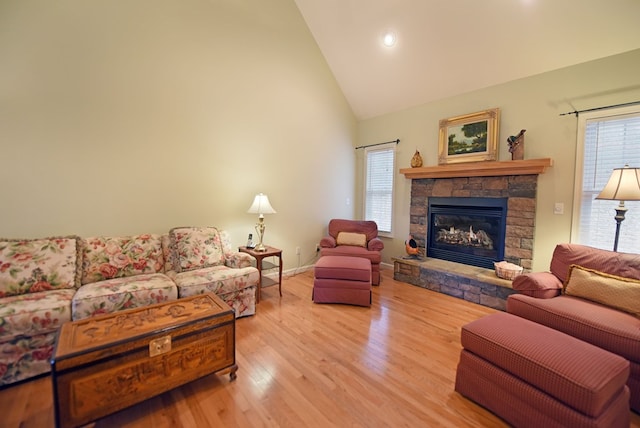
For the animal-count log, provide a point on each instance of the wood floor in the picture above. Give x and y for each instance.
(309, 365)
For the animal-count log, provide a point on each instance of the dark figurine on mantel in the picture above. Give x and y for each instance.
(516, 145)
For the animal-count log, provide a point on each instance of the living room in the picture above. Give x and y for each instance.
(128, 118)
(146, 128)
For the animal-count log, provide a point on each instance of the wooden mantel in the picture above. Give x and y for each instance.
(480, 169)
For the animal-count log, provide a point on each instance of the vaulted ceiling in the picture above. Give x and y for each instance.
(449, 47)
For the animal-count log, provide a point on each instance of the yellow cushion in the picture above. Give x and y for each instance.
(348, 238)
(610, 290)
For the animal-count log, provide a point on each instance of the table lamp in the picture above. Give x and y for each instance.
(261, 206)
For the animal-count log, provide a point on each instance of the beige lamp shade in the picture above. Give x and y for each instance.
(623, 185)
(261, 205)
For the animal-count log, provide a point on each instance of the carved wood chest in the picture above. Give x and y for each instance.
(101, 365)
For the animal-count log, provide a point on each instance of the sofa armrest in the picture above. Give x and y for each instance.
(375, 244)
(238, 260)
(328, 242)
(543, 285)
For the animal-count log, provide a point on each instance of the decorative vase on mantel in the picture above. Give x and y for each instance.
(516, 145)
(416, 160)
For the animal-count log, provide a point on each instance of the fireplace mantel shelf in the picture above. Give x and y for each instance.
(480, 169)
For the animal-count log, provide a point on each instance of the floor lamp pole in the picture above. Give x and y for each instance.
(620, 211)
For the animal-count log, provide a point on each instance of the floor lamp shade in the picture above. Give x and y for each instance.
(261, 206)
(623, 185)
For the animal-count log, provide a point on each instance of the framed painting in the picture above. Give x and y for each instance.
(469, 138)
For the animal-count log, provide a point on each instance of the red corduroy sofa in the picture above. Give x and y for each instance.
(590, 294)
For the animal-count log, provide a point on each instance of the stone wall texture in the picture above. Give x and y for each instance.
(521, 208)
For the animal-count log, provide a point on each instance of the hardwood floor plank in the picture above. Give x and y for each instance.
(305, 364)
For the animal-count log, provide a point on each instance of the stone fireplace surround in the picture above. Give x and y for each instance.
(515, 180)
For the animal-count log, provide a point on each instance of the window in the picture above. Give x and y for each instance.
(606, 140)
(378, 193)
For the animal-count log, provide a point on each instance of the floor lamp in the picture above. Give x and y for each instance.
(623, 185)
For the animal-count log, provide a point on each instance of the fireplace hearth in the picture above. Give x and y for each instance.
(466, 230)
(515, 181)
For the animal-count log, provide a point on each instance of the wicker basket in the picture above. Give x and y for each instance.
(507, 272)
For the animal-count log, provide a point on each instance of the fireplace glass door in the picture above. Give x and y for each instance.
(467, 230)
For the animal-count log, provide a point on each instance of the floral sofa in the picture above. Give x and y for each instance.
(46, 282)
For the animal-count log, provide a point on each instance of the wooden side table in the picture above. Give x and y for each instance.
(265, 281)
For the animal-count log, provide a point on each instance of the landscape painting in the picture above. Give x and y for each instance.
(469, 138)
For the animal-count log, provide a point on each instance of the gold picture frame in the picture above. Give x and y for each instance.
(469, 138)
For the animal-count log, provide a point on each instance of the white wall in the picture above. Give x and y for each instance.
(135, 117)
(534, 104)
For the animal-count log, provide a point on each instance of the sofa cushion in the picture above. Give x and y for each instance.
(350, 238)
(112, 295)
(610, 290)
(236, 286)
(34, 265)
(347, 268)
(107, 257)
(34, 313)
(610, 329)
(542, 285)
(611, 262)
(167, 254)
(216, 279)
(196, 248)
(352, 251)
(369, 228)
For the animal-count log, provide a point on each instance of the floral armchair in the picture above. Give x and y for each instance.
(356, 239)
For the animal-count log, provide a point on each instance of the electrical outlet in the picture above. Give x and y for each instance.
(317, 248)
(298, 250)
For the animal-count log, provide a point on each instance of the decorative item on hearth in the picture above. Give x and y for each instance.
(416, 160)
(411, 247)
(623, 185)
(261, 206)
(516, 145)
(506, 270)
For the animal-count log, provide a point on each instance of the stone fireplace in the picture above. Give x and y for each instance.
(518, 191)
(509, 186)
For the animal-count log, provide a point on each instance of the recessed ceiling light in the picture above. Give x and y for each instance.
(389, 38)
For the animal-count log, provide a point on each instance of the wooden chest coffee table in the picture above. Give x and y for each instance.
(101, 365)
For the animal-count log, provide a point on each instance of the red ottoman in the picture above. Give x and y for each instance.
(533, 376)
(342, 279)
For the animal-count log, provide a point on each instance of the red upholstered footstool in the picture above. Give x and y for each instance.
(342, 279)
(533, 376)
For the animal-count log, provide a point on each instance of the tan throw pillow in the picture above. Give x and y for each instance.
(610, 290)
(348, 238)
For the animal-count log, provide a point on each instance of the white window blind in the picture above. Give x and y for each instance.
(378, 197)
(610, 142)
